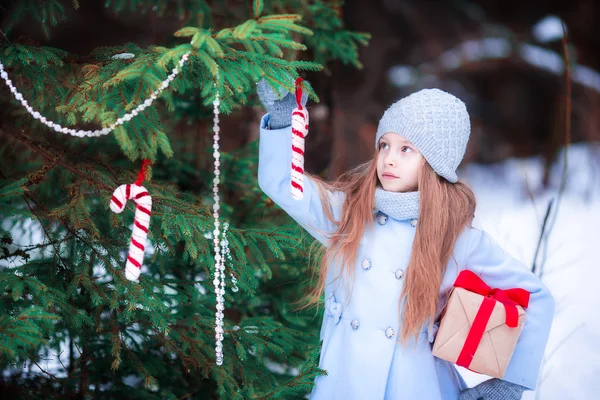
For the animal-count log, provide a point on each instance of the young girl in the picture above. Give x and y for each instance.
(397, 231)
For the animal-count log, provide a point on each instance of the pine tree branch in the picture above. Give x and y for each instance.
(46, 372)
(51, 156)
(83, 374)
(107, 263)
(5, 36)
(43, 245)
(56, 251)
(541, 237)
(290, 383)
(60, 361)
(37, 177)
(170, 343)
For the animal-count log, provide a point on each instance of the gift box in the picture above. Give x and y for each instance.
(480, 326)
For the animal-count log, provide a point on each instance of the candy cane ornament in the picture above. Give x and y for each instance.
(299, 132)
(141, 222)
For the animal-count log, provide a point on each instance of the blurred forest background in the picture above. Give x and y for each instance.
(505, 59)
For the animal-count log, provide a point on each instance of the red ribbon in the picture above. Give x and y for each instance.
(510, 298)
(142, 173)
(299, 92)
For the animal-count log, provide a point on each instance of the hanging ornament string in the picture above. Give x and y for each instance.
(219, 280)
(299, 132)
(226, 254)
(141, 222)
(143, 172)
(104, 131)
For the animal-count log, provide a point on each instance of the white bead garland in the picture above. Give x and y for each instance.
(219, 247)
(104, 131)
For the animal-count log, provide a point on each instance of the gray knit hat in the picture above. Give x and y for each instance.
(436, 122)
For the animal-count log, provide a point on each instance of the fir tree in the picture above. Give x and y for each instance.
(63, 294)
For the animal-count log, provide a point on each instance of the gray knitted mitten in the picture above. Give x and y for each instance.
(278, 105)
(493, 389)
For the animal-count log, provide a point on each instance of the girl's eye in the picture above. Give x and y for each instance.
(383, 145)
(406, 149)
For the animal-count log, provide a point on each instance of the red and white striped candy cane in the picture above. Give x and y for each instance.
(299, 132)
(141, 222)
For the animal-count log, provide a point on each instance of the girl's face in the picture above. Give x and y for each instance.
(398, 163)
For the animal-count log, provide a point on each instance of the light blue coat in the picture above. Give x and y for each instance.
(360, 350)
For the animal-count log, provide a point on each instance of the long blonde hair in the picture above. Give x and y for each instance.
(445, 210)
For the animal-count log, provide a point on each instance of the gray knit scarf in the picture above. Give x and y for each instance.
(398, 205)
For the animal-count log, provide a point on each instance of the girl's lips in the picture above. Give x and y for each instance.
(389, 176)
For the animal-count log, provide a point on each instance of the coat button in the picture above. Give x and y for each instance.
(382, 219)
(399, 273)
(413, 222)
(366, 264)
(389, 333)
(354, 324)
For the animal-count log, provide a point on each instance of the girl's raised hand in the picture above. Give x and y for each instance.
(278, 105)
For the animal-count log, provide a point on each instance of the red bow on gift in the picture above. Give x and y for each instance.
(510, 298)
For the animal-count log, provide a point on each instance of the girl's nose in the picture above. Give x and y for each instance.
(390, 159)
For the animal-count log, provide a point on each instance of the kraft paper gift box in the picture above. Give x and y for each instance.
(481, 326)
